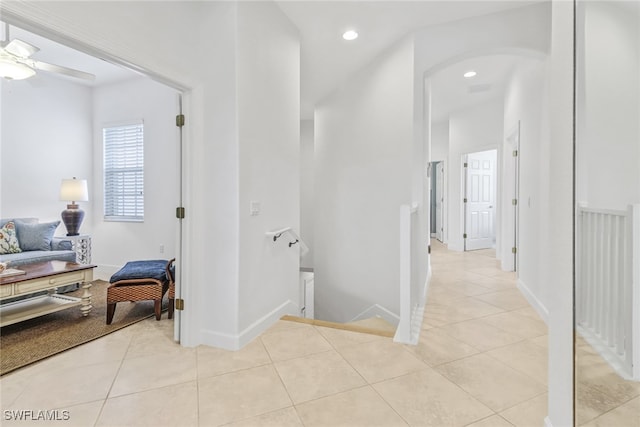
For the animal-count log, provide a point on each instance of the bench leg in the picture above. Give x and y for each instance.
(158, 308)
(111, 309)
(172, 304)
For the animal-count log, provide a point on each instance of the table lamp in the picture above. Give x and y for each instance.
(73, 190)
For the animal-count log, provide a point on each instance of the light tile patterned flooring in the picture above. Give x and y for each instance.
(481, 361)
(603, 398)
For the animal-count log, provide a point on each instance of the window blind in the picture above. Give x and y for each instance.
(124, 172)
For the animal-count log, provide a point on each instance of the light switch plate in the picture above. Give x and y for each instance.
(254, 208)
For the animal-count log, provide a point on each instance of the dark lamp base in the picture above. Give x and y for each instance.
(72, 218)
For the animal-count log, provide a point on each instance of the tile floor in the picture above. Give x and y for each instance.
(603, 398)
(481, 361)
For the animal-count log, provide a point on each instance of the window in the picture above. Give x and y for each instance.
(124, 172)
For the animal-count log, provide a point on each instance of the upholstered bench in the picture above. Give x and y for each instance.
(140, 281)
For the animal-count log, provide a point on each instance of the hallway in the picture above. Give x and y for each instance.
(481, 361)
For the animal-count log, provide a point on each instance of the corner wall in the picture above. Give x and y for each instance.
(307, 210)
(45, 136)
(557, 258)
(268, 91)
(116, 242)
(526, 105)
(471, 130)
(364, 143)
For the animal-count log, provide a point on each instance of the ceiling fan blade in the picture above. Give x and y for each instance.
(20, 48)
(39, 65)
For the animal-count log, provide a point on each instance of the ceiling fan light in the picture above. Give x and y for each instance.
(13, 70)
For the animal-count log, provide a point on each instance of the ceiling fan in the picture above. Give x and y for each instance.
(16, 62)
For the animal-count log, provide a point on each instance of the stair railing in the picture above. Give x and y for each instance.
(608, 285)
(412, 292)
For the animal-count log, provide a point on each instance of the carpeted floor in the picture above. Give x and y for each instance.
(32, 340)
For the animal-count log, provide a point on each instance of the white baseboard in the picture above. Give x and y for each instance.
(377, 310)
(265, 322)
(219, 340)
(547, 422)
(615, 361)
(455, 247)
(537, 305)
(236, 342)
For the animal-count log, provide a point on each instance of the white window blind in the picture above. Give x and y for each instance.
(124, 172)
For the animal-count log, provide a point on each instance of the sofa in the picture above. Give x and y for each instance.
(25, 241)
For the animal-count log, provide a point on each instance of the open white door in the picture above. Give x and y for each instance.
(480, 190)
(178, 263)
(510, 188)
(439, 195)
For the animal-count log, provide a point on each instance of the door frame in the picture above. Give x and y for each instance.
(45, 29)
(433, 192)
(443, 211)
(510, 260)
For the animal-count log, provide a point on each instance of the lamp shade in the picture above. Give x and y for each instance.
(74, 190)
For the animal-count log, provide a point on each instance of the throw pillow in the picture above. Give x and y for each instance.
(36, 237)
(8, 239)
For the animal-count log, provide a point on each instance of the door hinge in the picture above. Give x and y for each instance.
(514, 202)
(179, 304)
(514, 250)
(466, 164)
(180, 212)
(464, 236)
(429, 249)
(464, 200)
(515, 153)
(180, 120)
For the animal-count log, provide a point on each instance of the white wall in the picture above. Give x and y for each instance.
(307, 209)
(46, 137)
(470, 130)
(115, 243)
(524, 104)
(363, 146)
(608, 113)
(440, 141)
(557, 256)
(268, 73)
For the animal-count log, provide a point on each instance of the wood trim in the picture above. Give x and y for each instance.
(341, 326)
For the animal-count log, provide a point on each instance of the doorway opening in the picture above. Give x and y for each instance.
(479, 200)
(437, 221)
(156, 99)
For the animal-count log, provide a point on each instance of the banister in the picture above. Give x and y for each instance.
(279, 232)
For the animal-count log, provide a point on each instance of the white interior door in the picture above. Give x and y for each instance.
(439, 195)
(177, 325)
(480, 200)
(510, 198)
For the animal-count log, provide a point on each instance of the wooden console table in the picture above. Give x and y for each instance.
(44, 276)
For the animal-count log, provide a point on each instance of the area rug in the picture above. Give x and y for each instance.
(33, 340)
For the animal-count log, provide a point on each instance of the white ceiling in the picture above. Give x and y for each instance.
(451, 91)
(326, 59)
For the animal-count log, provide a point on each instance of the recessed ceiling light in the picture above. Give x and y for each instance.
(470, 74)
(350, 35)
